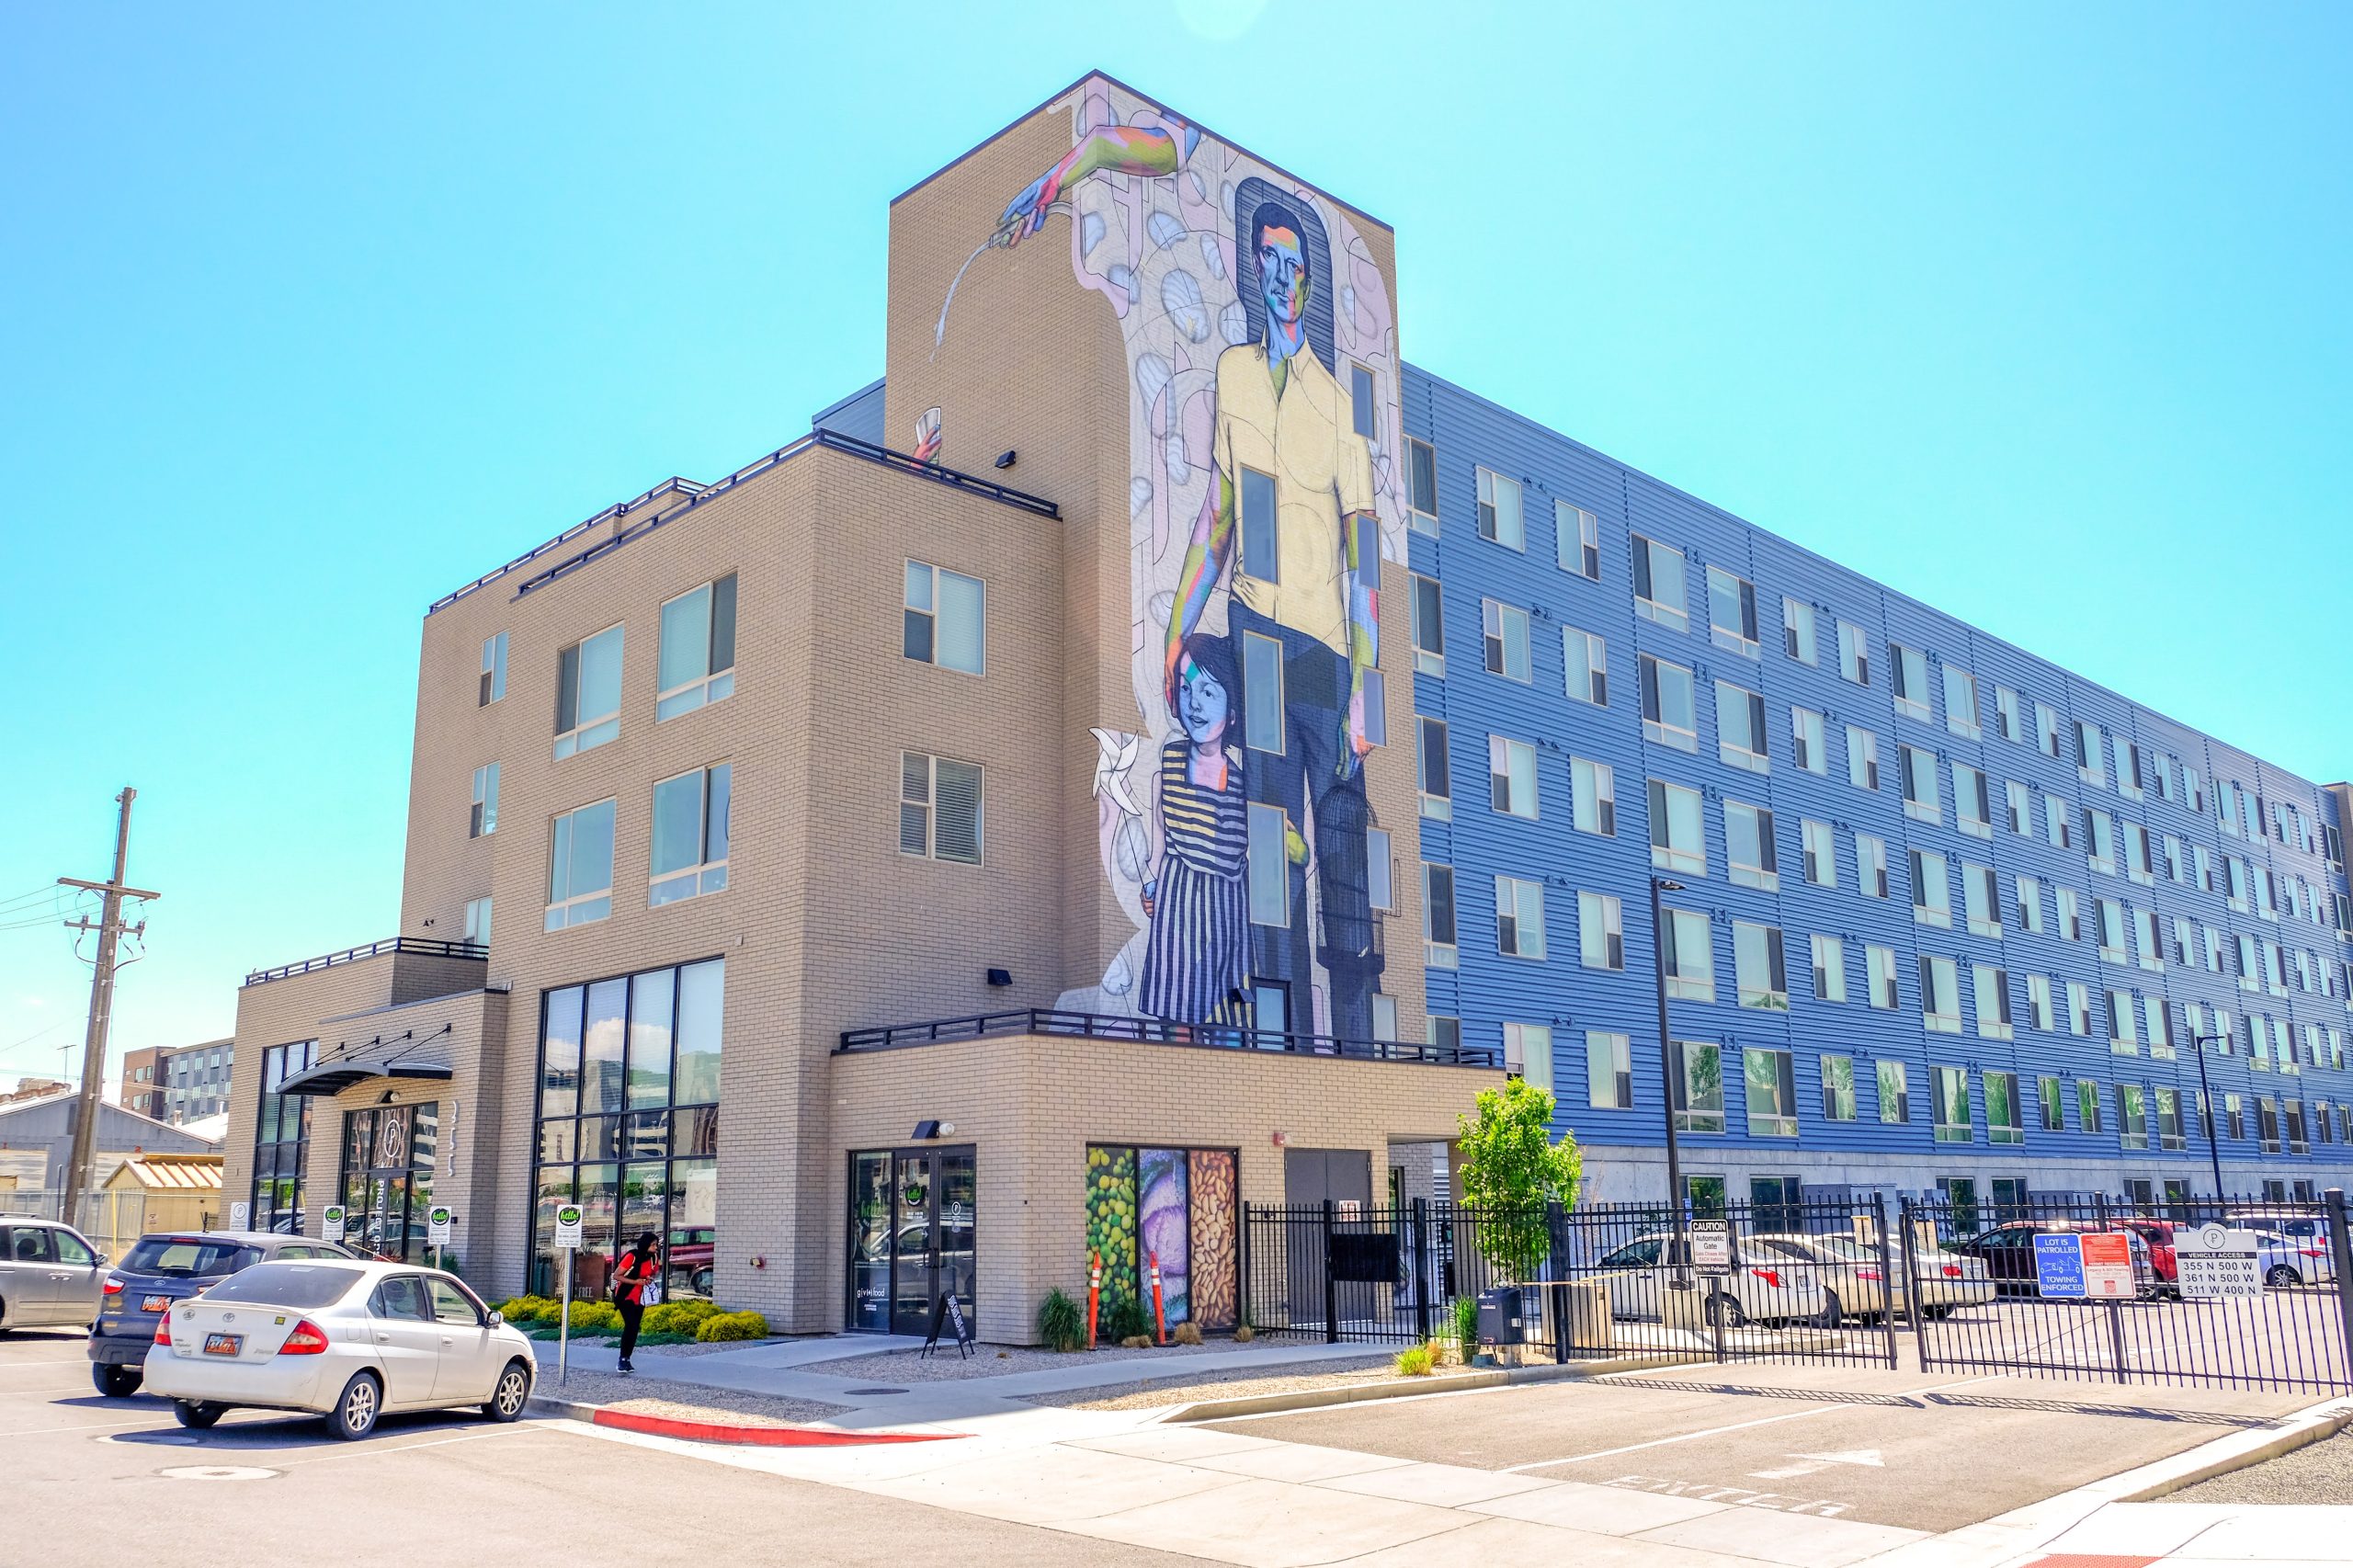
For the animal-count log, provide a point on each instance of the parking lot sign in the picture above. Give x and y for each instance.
(567, 1226)
(1712, 1246)
(437, 1224)
(240, 1216)
(331, 1222)
(2107, 1265)
(2058, 1265)
(2216, 1261)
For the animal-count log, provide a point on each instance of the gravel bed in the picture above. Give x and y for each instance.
(1235, 1383)
(2317, 1473)
(898, 1367)
(687, 1402)
(713, 1347)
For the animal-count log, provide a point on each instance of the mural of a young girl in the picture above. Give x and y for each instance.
(1197, 958)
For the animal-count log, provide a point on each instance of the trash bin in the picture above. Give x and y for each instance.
(1502, 1320)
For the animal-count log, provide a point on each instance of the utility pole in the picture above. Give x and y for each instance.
(109, 927)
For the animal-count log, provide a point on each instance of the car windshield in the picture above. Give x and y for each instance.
(288, 1285)
(188, 1257)
(1846, 1249)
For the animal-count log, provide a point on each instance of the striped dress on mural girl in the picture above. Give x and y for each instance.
(1197, 959)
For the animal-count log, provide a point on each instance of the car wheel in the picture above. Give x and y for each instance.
(1834, 1311)
(513, 1391)
(115, 1382)
(1722, 1310)
(197, 1414)
(357, 1407)
(2281, 1277)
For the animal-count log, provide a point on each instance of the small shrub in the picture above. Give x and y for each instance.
(1243, 1335)
(679, 1317)
(1136, 1342)
(1466, 1328)
(1123, 1320)
(1185, 1334)
(595, 1317)
(1416, 1361)
(733, 1326)
(525, 1310)
(1060, 1322)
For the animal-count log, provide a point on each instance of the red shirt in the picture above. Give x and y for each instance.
(632, 1274)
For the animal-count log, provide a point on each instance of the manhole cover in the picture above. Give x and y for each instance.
(216, 1472)
(877, 1391)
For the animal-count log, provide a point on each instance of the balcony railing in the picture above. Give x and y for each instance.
(1157, 1031)
(426, 947)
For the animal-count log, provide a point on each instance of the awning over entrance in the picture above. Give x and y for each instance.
(401, 1056)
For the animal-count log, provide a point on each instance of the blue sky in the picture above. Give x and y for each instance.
(314, 313)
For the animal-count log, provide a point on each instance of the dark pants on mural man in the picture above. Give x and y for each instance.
(1315, 697)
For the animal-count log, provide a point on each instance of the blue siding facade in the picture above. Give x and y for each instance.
(2190, 783)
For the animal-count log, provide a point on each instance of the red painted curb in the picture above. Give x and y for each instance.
(757, 1436)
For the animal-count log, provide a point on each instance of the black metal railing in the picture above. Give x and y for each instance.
(424, 946)
(618, 508)
(1158, 1031)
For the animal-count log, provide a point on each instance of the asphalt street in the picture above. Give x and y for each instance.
(93, 1481)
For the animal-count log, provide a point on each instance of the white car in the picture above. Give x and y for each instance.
(1767, 1288)
(348, 1340)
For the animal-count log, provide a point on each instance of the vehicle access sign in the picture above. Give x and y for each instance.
(2216, 1261)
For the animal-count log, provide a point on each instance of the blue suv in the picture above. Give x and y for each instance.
(167, 1267)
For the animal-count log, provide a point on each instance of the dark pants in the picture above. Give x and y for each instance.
(1315, 702)
(633, 1317)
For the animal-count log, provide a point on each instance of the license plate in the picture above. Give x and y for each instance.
(154, 1304)
(223, 1343)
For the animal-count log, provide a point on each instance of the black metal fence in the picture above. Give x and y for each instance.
(2093, 1288)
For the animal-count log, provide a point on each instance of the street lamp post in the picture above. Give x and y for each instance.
(2197, 1044)
(1666, 1064)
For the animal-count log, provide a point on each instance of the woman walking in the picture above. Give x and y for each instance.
(635, 1278)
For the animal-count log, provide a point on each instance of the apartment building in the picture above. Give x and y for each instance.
(179, 1083)
(1016, 821)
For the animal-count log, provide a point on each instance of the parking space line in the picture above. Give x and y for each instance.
(356, 1451)
(1718, 1431)
(85, 1427)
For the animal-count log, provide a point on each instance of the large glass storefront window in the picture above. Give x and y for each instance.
(388, 1178)
(913, 1233)
(282, 1140)
(628, 1125)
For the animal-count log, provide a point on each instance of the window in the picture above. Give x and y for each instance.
(580, 866)
(1677, 843)
(2005, 1117)
(1806, 735)
(1669, 714)
(1961, 703)
(1910, 668)
(1375, 708)
(1511, 770)
(2129, 775)
(2088, 1106)
(386, 1186)
(1499, 510)
(482, 817)
(2151, 952)
(2089, 765)
(1862, 758)
(2006, 721)
(1761, 979)
(1982, 905)
(2055, 828)
(1519, 918)
(1384, 1016)
(1659, 593)
(1740, 727)
(628, 1122)
(2100, 834)
(1429, 628)
(1506, 639)
(1871, 865)
(1772, 1093)
(1940, 994)
(2051, 1095)
(2070, 915)
(588, 693)
(1919, 774)
(1430, 757)
(1931, 889)
(1990, 985)
(282, 1139)
(1687, 951)
(2111, 929)
(2030, 890)
(2018, 807)
(1878, 976)
(1592, 788)
(2158, 1022)
(1269, 866)
(2046, 729)
(1438, 916)
(2132, 1115)
(477, 926)
(1732, 611)
(1948, 1099)
(1972, 810)
(2039, 1014)
(689, 851)
(1380, 874)
(1748, 846)
(939, 808)
(1829, 968)
(1894, 1092)
(1262, 693)
(2123, 1033)
(1261, 543)
(697, 663)
(1698, 1067)
(2079, 1010)
(1364, 404)
(1445, 1032)
(1837, 1088)
(1577, 540)
(1421, 478)
(1601, 932)
(1821, 853)
(1527, 1052)
(1608, 1070)
(494, 670)
(1854, 653)
(2267, 1124)
(1586, 658)
(1798, 631)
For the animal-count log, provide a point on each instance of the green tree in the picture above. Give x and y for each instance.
(1511, 1169)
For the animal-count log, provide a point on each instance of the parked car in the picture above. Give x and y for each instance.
(2301, 1226)
(1853, 1282)
(2288, 1261)
(168, 1267)
(50, 1275)
(2163, 1262)
(346, 1340)
(1947, 1281)
(1771, 1287)
(2008, 1251)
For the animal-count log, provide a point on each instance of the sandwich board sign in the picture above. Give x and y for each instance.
(1712, 1246)
(438, 1222)
(2216, 1261)
(331, 1222)
(567, 1226)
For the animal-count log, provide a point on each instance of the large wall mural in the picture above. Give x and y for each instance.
(1264, 492)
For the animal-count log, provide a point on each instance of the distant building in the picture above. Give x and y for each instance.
(36, 1141)
(33, 1089)
(179, 1083)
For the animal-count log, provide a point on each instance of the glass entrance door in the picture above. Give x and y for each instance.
(914, 1235)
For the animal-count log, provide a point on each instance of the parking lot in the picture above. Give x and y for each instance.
(1930, 1452)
